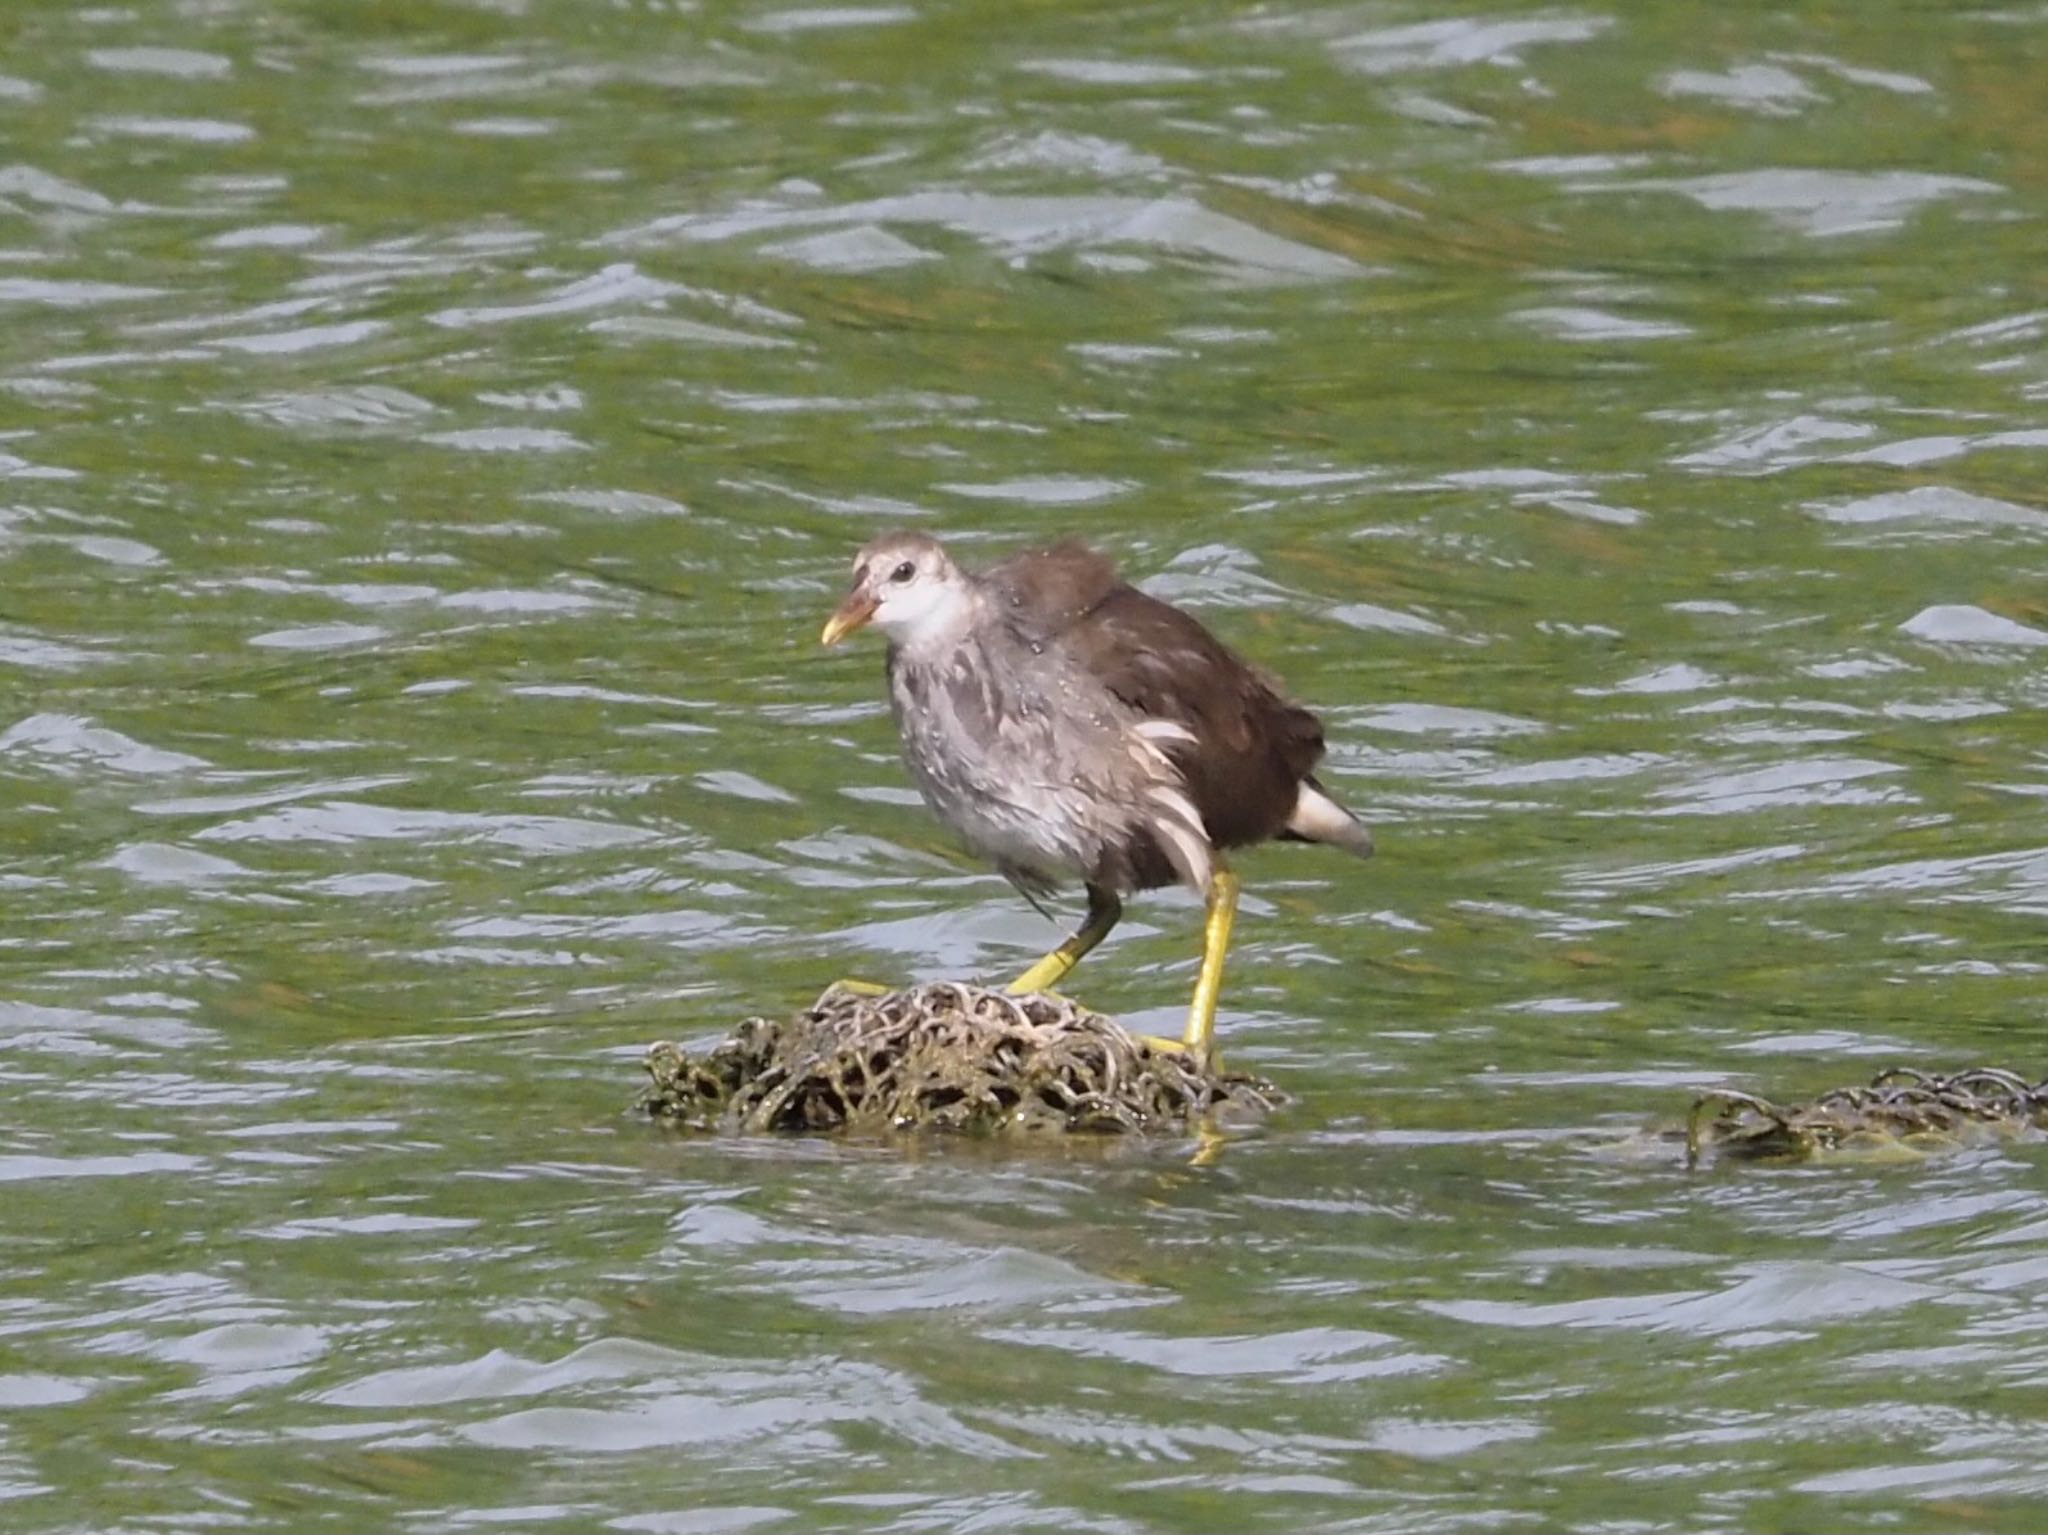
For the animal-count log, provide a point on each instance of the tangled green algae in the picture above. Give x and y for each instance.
(947, 1056)
(954, 1057)
(1902, 1110)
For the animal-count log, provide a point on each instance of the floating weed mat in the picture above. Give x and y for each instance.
(1902, 1110)
(948, 1057)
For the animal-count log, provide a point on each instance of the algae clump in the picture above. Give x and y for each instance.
(1903, 1110)
(947, 1056)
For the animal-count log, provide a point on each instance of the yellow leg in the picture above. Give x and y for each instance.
(1201, 1035)
(859, 987)
(1103, 910)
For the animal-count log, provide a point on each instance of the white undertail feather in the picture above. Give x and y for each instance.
(1318, 818)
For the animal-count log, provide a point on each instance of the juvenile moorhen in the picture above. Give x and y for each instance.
(1067, 726)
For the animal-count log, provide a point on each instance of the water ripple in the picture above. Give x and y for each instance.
(432, 447)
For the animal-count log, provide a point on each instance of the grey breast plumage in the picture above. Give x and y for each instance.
(1080, 729)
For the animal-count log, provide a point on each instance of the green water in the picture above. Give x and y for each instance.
(431, 435)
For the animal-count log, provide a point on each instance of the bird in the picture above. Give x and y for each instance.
(1067, 726)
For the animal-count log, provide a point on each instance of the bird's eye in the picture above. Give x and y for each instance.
(903, 572)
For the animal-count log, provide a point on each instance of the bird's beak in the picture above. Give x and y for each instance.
(858, 608)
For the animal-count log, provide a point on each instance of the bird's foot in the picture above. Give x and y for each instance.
(859, 987)
(1059, 998)
(862, 988)
(1204, 1057)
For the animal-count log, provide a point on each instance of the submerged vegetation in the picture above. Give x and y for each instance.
(1902, 1109)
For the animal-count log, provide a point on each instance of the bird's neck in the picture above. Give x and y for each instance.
(939, 630)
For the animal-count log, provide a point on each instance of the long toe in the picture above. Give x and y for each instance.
(859, 987)
(1208, 1060)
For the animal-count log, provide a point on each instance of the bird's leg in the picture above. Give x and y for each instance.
(1103, 911)
(1200, 1039)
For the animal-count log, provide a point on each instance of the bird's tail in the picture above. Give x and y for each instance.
(1318, 818)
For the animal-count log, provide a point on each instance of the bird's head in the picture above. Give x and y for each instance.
(906, 585)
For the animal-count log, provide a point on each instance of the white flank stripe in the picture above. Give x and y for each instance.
(1166, 731)
(1178, 804)
(1181, 829)
(1189, 853)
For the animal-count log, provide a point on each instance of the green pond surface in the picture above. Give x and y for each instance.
(431, 436)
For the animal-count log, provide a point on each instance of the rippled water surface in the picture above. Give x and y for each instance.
(431, 436)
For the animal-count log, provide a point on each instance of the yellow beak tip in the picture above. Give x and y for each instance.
(853, 614)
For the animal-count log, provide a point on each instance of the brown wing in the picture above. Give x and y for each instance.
(1251, 748)
(1041, 593)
